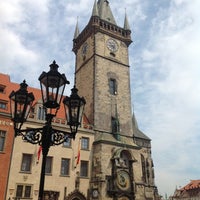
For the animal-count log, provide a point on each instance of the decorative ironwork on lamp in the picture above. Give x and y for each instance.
(52, 87)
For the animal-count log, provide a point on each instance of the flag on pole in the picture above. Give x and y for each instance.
(78, 154)
(39, 153)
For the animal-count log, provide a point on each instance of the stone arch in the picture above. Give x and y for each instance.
(119, 152)
(76, 195)
(122, 157)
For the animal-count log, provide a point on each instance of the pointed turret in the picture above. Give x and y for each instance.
(105, 12)
(76, 32)
(126, 23)
(95, 11)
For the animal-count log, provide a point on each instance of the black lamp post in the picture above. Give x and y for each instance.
(52, 87)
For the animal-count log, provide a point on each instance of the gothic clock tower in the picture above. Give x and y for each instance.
(103, 78)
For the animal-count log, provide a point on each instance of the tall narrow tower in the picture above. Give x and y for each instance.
(103, 78)
(102, 70)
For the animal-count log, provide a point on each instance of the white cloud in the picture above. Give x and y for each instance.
(164, 60)
(172, 92)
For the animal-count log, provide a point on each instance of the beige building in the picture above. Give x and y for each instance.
(115, 156)
(64, 174)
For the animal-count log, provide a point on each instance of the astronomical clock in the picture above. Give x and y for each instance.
(120, 183)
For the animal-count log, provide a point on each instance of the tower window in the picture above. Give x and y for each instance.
(144, 175)
(115, 125)
(113, 86)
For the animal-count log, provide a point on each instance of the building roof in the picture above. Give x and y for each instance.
(189, 191)
(10, 86)
(136, 131)
(194, 184)
(95, 11)
(104, 11)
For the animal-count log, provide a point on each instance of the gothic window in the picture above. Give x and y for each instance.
(113, 86)
(84, 168)
(65, 163)
(147, 165)
(48, 167)
(144, 178)
(84, 143)
(23, 191)
(2, 139)
(26, 162)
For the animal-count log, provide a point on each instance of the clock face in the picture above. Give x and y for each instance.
(112, 45)
(123, 180)
(95, 193)
(84, 48)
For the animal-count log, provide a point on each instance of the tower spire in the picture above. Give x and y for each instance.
(105, 12)
(95, 11)
(76, 33)
(126, 23)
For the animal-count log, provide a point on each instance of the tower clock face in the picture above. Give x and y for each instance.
(112, 45)
(123, 180)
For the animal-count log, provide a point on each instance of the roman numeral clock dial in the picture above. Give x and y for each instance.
(112, 45)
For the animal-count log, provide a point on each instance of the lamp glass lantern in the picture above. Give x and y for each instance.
(52, 85)
(74, 106)
(20, 102)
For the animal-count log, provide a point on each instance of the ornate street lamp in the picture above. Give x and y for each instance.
(52, 87)
(21, 104)
(74, 106)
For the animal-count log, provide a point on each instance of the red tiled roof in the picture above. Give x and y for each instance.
(194, 184)
(10, 86)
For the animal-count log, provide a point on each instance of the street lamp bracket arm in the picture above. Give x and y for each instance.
(35, 135)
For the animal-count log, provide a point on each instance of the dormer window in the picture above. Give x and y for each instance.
(2, 89)
(3, 105)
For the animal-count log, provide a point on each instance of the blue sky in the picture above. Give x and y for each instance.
(164, 59)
